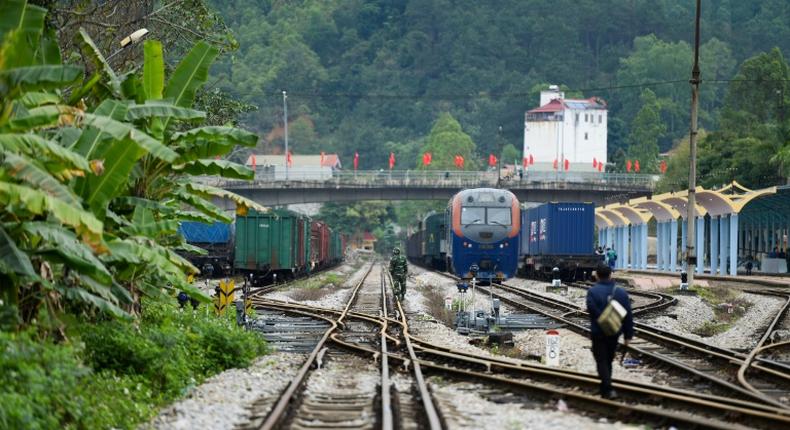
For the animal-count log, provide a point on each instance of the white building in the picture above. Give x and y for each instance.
(565, 129)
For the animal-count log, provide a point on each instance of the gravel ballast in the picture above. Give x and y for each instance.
(224, 400)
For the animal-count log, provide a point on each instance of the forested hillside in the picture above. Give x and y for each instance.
(372, 76)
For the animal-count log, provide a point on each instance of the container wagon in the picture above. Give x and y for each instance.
(428, 245)
(559, 235)
(483, 227)
(273, 243)
(335, 247)
(319, 245)
(216, 239)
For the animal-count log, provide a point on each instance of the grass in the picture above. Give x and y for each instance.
(434, 300)
(315, 287)
(719, 298)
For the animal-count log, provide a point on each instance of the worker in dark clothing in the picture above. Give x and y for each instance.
(603, 346)
(399, 269)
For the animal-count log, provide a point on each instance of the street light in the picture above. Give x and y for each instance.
(499, 159)
(130, 40)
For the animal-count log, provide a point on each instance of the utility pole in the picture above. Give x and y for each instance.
(285, 122)
(499, 159)
(691, 215)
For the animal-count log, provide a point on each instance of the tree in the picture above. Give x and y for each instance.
(94, 173)
(446, 140)
(646, 130)
(510, 154)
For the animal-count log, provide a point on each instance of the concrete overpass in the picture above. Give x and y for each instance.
(599, 188)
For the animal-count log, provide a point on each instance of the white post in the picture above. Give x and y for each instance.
(683, 239)
(734, 244)
(724, 243)
(673, 245)
(700, 233)
(714, 244)
(643, 245)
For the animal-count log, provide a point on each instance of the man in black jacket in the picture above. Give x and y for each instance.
(603, 346)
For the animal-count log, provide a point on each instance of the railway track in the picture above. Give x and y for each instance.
(333, 388)
(694, 358)
(660, 405)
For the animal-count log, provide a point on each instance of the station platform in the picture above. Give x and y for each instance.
(662, 279)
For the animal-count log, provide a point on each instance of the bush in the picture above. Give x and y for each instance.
(119, 374)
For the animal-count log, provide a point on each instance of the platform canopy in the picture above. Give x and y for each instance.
(731, 199)
(768, 208)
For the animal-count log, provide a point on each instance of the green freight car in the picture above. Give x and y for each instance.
(336, 246)
(427, 246)
(273, 245)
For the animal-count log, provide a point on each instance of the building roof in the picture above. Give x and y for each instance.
(368, 236)
(558, 105)
(330, 160)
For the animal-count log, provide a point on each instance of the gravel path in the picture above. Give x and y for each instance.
(224, 400)
(466, 408)
(692, 312)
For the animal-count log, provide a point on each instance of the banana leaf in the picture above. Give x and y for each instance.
(27, 170)
(119, 130)
(190, 74)
(223, 168)
(161, 109)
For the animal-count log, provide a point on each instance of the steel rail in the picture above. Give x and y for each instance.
(656, 356)
(749, 358)
(712, 402)
(277, 413)
(386, 399)
(434, 422)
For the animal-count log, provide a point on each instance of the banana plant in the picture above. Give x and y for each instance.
(97, 170)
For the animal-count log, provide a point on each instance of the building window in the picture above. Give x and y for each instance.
(585, 117)
(577, 118)
(585, 135)
(600, 118)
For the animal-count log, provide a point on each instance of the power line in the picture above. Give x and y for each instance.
(518, 94)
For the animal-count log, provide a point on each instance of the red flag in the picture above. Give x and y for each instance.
(636, 166)
(459, 161)
(600, 167)
(289, 159)
(525, 162)
(492, 160)
(595, 163)
(628, 166)
(531, 160)
(663, 166)
(567, 165)
(555, 164)
(392, 160)
(430, 158)
(426, 159)
(356, 160)
(253, 160)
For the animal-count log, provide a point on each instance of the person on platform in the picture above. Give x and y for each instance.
(611, 257)
(604, 338)
(399, 269)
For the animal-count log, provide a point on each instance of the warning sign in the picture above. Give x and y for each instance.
(224, 296)
(552, 348)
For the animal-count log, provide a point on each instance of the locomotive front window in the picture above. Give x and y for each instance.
(499, 216)
(473, 215)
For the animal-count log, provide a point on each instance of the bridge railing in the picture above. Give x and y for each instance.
(441, 179)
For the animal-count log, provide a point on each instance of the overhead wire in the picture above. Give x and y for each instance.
(516, 94)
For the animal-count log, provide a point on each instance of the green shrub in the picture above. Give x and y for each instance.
(115, 374)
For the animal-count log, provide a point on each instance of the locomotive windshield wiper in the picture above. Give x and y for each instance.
(495, 222)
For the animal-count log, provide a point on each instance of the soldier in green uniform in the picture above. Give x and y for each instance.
(399, 269)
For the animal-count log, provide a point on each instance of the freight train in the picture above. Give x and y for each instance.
(427, 246)
(486, 227)
(559, 235)
(483, 229)
(277, 245)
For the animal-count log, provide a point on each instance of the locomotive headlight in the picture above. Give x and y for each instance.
(501, 245)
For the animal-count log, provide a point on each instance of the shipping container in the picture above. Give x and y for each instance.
(198, 232)
(272, 242)
(319, 244)
(558, 229)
